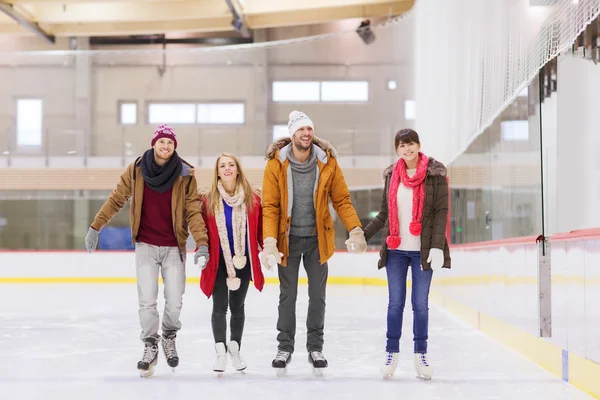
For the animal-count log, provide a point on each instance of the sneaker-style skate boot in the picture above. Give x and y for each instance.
(149, 359)
(236, 359)
(168, 345)
(316, 359)
(281, 361)
(390, 365)
(424, 370)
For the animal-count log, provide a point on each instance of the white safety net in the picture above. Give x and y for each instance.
(473, 57)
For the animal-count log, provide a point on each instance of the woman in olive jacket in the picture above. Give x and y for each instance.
(413, 216)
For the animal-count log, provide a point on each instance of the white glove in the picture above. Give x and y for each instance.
(201, 257)
(436, 259)
(201, 263)
(270, 255)
(356, 242)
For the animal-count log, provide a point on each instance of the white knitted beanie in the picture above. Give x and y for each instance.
(298, 120)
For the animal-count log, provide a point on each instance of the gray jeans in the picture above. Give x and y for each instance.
(149, 261)
(307, 249)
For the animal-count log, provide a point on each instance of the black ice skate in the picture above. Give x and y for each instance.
(168, 345)
(281, 361)
(149, 359)
(316, 359)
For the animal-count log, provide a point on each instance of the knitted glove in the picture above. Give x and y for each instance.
(270, 255)
(356, 243)
(91, 239)
(436, 259)
(201, 257)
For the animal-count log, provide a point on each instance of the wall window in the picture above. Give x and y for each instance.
(29, 122)
(410, 110)
(178, 113)
(517, 130)
(128, 113)
(280, 131)
(322, 91)
(345, 91)
(225, 113)
(196, 113)
(296, 91)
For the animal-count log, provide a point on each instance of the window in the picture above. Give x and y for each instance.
(296, 91)
(345, 91)
(515, 130)
(410, 109)
(280, 131)
(226, 113)
(128, 113)
(178, 113)
(325, 91)
(196, 113)
(29, 122)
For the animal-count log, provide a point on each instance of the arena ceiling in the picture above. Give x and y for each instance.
(49, 19)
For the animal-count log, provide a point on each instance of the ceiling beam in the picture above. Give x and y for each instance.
(25, 21)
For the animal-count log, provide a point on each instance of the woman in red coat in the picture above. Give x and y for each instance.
(233, 216)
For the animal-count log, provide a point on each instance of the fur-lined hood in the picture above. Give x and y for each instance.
(283, 143)
(434, 168)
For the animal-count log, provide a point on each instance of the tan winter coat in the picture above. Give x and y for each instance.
(185, 204)
(330, 184)
(435, 215)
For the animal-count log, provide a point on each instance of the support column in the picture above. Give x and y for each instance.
(83, 97)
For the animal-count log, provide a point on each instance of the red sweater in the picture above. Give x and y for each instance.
(156, 221)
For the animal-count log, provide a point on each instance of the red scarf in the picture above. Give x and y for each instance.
(417, 183)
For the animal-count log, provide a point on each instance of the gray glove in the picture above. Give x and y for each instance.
(201, 257)
(91, 240)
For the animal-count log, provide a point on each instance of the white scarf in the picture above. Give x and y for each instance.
(238, 221)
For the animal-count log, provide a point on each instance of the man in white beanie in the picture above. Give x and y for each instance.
(300, 178)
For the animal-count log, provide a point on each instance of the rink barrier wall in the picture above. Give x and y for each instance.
(482, 273)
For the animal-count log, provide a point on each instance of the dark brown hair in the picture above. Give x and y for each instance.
(406, 136)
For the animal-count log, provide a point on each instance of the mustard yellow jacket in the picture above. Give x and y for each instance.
(329, 185)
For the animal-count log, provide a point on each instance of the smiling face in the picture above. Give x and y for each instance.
(163, 149)
(303, 138)
(409, 152)
(227, 169)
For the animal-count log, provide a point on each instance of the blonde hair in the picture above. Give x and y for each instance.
(214, 195)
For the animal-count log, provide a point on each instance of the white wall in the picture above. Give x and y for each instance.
(225, 75)
(577, 146)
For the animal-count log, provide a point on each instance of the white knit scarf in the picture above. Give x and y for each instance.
(238, 220)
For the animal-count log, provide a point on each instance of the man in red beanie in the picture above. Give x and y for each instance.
(164, 203)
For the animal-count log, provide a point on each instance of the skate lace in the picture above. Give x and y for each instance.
(423, 359)
(390, 358)
(282, 355)
(149, 353)
(317, 356)
(170, 349)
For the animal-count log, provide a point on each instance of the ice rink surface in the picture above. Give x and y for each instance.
(81, 341)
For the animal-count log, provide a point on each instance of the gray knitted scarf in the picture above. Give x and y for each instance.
(303, 167)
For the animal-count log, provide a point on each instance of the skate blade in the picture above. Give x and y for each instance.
(318, 372)
(424, 377)
(281, 372)
(146, 374)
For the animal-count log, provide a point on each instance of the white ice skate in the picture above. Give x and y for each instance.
(236, 359)
(221, 361)
(391, 363)
(149, 360)
(424, 370)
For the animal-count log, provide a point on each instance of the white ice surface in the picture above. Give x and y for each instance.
(82, 342)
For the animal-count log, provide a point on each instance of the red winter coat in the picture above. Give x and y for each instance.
(253, 236)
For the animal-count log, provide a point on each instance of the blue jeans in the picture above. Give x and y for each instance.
(398, 262)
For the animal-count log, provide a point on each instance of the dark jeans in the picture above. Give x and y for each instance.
(398, 262)
(222, 297)
(307, 249)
